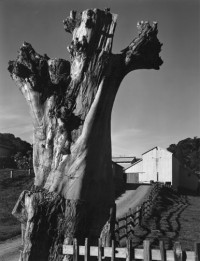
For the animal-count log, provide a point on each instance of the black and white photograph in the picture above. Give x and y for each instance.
(99, 130)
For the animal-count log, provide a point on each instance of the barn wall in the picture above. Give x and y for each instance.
(149, 166)
(156, 165)
(136, 168)
(159, 165)
(176, 172)
(164, 165)
(134, 173)
(132, 178)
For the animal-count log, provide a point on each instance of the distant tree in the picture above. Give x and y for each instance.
(7, 162)
(15, 143)
(24, 161)
(187, 151)
(172, 148)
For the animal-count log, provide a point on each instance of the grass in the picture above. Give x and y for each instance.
(10, 189)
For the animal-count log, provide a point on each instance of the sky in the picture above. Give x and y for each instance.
(152, 108)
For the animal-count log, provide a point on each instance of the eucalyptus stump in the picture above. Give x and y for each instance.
(71, 104)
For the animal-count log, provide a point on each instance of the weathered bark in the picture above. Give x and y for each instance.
(71, 104)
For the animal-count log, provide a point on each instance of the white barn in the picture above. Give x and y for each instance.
(160, 165)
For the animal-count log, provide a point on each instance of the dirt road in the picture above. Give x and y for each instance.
(132, 197)
(9, 250)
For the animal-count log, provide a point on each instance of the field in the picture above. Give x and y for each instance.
(10, 190)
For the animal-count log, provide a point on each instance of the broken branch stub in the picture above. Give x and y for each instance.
(92, 37)
(143, 51)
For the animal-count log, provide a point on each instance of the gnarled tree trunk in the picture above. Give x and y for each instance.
(71, 104)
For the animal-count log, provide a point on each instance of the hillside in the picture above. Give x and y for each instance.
(187, 151)
(16, 143)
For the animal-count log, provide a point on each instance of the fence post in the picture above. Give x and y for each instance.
(147, 250)
(148, 208)
(178, 254)
(142, 214)
(117, 236)
(137, 216)
(129, 216)
(131, 222)
(126, 224)
(144, 209)
(197, 251)
(128, 245)
(11, 174)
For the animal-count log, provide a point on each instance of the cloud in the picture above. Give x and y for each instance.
(125, 141)
(16, 122)
(131, 132)
(134, 142)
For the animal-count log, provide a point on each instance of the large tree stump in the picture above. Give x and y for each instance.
(71, 104)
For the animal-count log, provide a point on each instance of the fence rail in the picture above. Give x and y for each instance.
(15, 172)
(129, 253)
(124, 225)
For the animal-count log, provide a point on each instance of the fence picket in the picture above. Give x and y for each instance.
(147, 250)
(128, 243)
(178, 254)
(100, 250)
(162, 251)
(130, 254)
(87, 250)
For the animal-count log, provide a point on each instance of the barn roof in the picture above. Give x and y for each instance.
(133, 164)
(123, 159)
(156, 148)
(150, 150)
